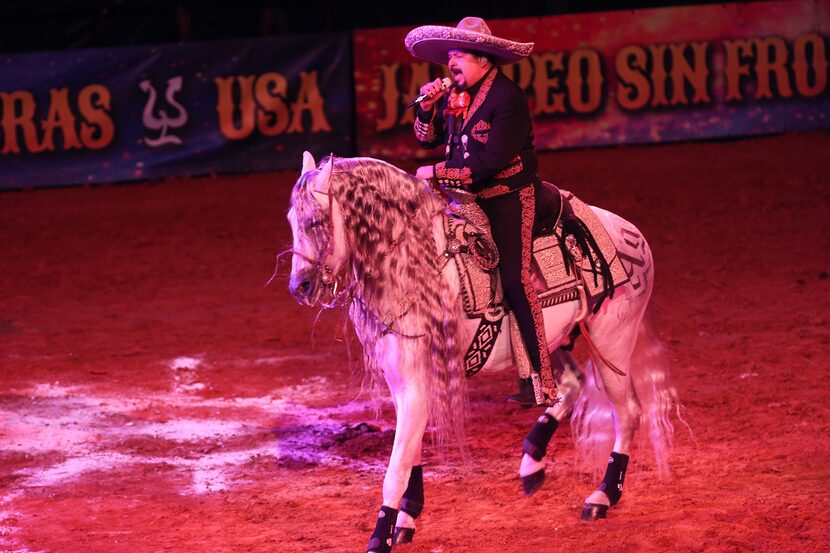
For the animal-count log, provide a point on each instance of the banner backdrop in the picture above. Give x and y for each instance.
(656, 75)
(118, 114)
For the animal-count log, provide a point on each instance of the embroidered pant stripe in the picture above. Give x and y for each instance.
(527, 195)
(514, 243)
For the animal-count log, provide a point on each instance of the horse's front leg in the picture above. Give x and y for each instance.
(411, 405)
(534, 447)
(412, 503)
(615, 334)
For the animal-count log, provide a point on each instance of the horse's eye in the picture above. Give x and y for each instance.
(316, 223)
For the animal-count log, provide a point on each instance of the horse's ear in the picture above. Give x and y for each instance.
(321, 183)
(308, 163)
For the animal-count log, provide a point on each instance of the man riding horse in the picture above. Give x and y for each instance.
(485, 122)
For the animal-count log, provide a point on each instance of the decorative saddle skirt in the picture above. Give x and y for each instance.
(573, 250)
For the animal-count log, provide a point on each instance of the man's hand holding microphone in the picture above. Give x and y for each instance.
(431, 93)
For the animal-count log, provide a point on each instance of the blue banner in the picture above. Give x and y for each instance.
(120, 114)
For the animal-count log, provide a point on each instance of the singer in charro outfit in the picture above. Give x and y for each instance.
(484, 122)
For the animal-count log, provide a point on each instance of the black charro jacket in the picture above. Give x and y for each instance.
(491, 152)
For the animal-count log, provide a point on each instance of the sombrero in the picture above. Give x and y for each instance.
(432, 42)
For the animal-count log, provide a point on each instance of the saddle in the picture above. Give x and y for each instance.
(571, 249)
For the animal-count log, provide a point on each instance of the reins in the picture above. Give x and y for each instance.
(332, 280)
(592, 348)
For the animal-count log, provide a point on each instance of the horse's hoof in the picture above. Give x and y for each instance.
(533, 482)
(403, 535)
(593, 511)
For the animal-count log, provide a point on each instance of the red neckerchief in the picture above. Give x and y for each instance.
(458, 104)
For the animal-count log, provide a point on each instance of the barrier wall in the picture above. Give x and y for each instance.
(101, 115)
(628, 77)
(683, 73)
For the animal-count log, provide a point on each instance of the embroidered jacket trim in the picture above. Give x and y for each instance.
(452, 177)
(481, 131)
(425, 132)
(515, 167)
(494, 191)
(481, 95)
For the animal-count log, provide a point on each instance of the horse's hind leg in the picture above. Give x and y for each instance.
(614, 332)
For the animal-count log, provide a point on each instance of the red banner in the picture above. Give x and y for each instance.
(655, 75)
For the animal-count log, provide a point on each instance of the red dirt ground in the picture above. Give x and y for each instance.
(155, 396)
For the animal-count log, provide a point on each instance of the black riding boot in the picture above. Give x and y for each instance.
(525, 396)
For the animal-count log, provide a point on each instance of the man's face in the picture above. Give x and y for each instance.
(466, 68)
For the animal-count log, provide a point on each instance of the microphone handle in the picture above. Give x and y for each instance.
(423, 97)
(416, 101)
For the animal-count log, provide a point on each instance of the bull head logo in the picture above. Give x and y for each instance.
(163, 122)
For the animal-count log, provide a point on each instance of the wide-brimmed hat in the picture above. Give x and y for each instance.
(433, 42)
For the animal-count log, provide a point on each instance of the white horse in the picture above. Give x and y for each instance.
(370, 236)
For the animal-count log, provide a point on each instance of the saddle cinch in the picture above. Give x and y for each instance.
(571, 249)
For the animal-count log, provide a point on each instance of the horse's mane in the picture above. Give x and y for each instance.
(388, 218)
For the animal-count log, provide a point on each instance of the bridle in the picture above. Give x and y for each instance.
(332, 281)
(335, 280)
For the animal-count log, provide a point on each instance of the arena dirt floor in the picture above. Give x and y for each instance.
(156, 396)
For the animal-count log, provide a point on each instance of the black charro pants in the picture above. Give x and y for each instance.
(512, 217)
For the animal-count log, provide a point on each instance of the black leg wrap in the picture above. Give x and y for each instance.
(381, 540)
(536, 443)
(612, 483)
(413, 498)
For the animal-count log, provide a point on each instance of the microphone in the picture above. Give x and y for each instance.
(445, 84)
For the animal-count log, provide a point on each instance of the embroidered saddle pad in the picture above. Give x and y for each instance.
(470, 244)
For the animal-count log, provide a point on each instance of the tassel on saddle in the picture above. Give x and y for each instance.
(578, 244)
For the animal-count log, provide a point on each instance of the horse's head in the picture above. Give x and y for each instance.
(320, 255)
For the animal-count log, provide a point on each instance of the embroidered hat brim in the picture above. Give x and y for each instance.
(433, 42)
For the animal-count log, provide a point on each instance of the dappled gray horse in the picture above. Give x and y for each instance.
(370, 236)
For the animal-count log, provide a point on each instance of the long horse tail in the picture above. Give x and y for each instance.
(651, 377)
(592, 421)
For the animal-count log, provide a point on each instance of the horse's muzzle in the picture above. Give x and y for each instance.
(302, 288)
